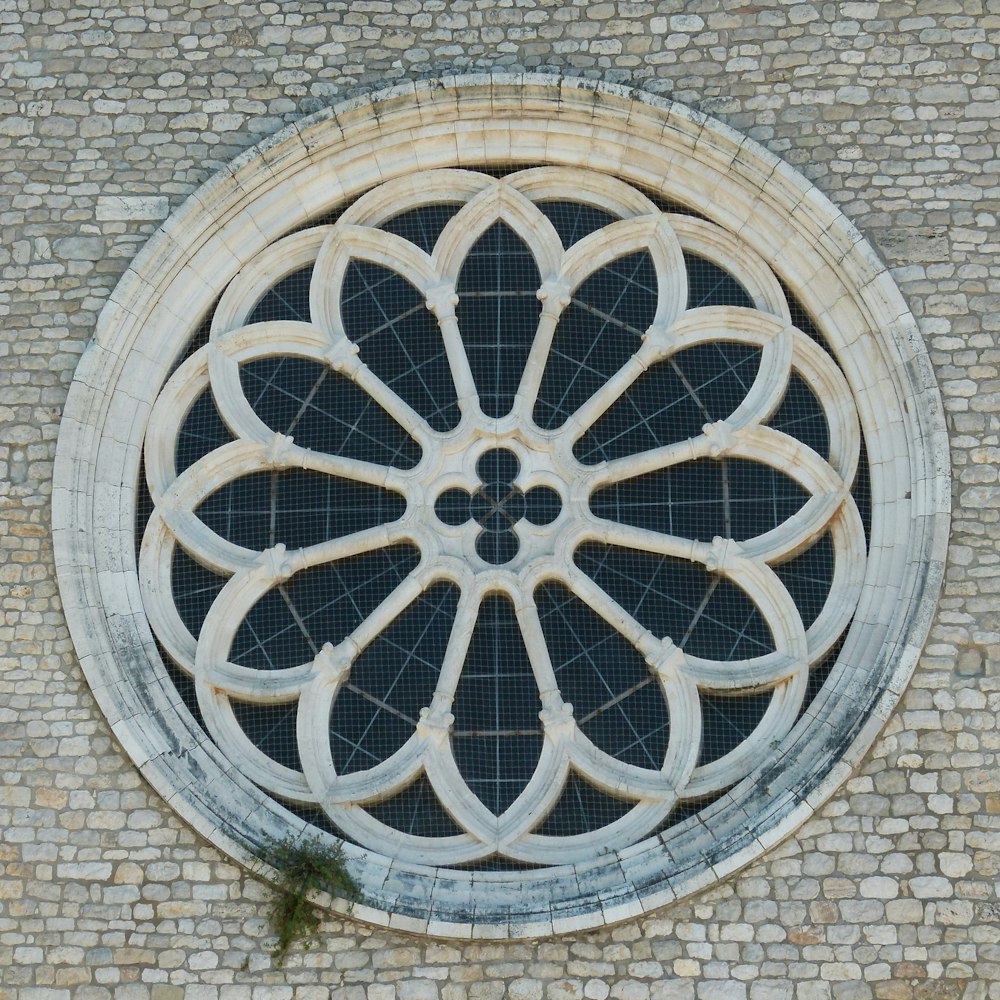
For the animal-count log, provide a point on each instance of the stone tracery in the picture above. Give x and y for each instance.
(537, 551)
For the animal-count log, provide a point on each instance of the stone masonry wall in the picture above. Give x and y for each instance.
(111, 115)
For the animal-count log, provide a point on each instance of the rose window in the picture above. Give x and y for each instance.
(503, 519)
(534, 485)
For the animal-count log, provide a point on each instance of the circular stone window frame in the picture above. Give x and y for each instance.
(330, 159)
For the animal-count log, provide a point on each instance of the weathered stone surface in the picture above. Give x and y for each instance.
(915, 244)
(79, 248)
(124, 208)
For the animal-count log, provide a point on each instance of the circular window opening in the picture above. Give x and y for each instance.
(524, 523)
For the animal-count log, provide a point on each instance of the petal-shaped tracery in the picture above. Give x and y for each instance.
(672, 401)
(497, 737)
(502, 515)
(325, 412)
(296, 507)
(726, 497)
(582, 187)
(293, 620)
(498, 312)
(701, 613)
(598, 332)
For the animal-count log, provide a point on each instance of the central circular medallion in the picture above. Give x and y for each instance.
(497, 506)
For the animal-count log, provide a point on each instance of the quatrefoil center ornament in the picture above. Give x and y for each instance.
(497, 506)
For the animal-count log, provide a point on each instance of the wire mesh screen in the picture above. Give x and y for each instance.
(599, 331)
(377, 710)
(288, 300)
(399, 340)
(573, 220)
(496, 733)
(605, 678)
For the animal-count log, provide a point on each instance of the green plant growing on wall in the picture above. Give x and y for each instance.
(304, 868)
